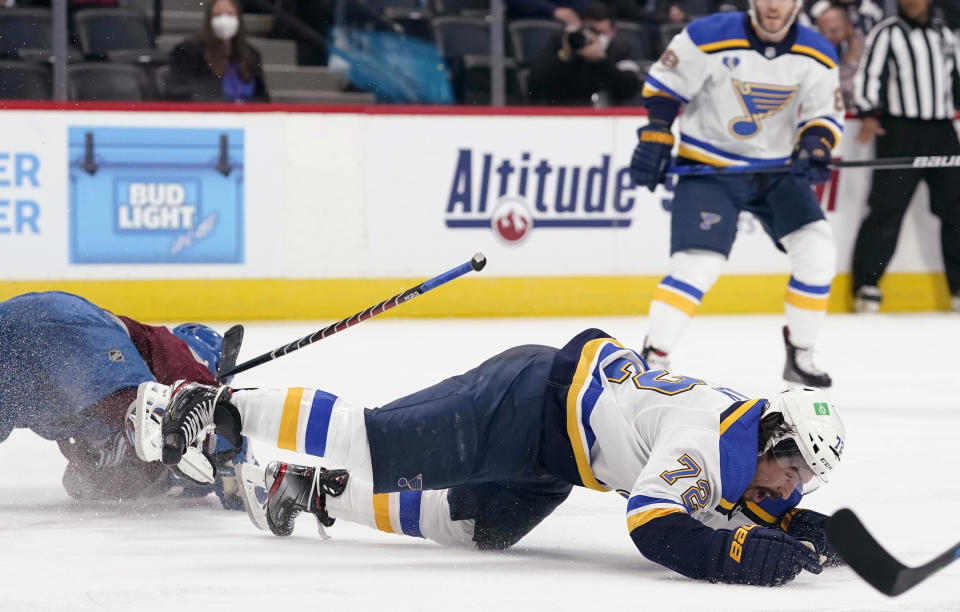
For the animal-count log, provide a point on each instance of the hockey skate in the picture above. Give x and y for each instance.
(799, 367)
(170, 423)
(867, 300)
(275, 496)
(654, 357)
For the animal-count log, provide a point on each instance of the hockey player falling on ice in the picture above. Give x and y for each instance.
(754, 87)
(711, 478)
(69, 371)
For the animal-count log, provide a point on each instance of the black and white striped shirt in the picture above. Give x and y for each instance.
(909, 70)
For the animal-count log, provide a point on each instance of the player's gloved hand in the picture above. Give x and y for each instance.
(648, 166)
(810, 526)
(810, 158)
(759, 556)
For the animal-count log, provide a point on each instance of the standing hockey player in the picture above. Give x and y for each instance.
(69, 371)
(711, 478)
(754, 87)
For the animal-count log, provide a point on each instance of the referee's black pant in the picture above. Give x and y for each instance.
(891, 191)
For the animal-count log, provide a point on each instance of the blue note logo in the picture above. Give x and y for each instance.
(758, 101)
(731, 62)
(708, 220)
(414, 484)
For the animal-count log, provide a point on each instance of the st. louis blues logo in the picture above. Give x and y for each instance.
(758, 101)
(731, 62)
(708, 220)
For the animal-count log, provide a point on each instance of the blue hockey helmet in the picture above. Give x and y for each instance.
(205, 343)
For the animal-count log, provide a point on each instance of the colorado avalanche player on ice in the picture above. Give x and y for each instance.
(69, 371)
(711, 478)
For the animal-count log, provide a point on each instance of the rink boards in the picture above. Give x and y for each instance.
(274, 212)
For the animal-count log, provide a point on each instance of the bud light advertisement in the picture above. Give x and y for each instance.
(156, 195)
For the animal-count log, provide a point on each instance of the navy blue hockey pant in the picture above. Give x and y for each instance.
(706, 209)
(479, 435)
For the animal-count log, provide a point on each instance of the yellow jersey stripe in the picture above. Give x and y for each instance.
(820, 57)
(831, 127)
(642, 518)
(649, 91)
(807, 303)
(726, 505)
(730, 420)
(761, 513)
(581, 379)
(381, 512)
(733, 43)
(287, 436)
(676, 300)
(687, 152)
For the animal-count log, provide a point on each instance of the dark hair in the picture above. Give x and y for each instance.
(214, 51)
(598, 11)
(771, 425)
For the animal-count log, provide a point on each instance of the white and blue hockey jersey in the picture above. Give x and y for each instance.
(744, 100)
(666, 442)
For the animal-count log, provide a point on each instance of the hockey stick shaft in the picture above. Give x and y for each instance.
(873, 563)
(886, 163)
(475, 264)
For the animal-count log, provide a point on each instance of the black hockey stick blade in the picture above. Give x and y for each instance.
(230, 350)
(872, 562)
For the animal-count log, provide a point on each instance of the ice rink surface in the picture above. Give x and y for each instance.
(896, 382)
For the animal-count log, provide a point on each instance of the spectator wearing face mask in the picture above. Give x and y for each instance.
(588, 66)
(217, 64)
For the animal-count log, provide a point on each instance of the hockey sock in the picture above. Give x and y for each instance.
(813, 260)
(678, 296)
(307, 421)
(422, 514)
(805, 308)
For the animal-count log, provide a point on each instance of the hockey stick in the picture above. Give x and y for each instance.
(229, 351)
(476, 263)
(887, 163)
(874, 564)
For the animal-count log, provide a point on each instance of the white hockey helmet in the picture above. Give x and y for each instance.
(776, 36)
(814, 436)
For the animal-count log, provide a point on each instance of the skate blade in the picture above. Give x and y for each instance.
(251, 478)
(151, 404)
(195, 466)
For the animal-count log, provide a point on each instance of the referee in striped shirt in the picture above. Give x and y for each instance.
(907, 90)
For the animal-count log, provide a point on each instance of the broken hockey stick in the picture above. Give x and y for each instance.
(476, 263)
(885, 163)
(874, 564)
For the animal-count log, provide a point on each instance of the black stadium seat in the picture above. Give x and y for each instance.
(464, 8)
(105, 81)
(24, 81)
(530, 36)
(102, 30)
(459, 36)
(25, 28)
(639, 38)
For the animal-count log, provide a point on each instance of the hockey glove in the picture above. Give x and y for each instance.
(811, 157)
(648, 166)
(759, 556)
(810, 526)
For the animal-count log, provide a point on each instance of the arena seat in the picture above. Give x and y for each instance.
(24, 81)
(105, 81)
